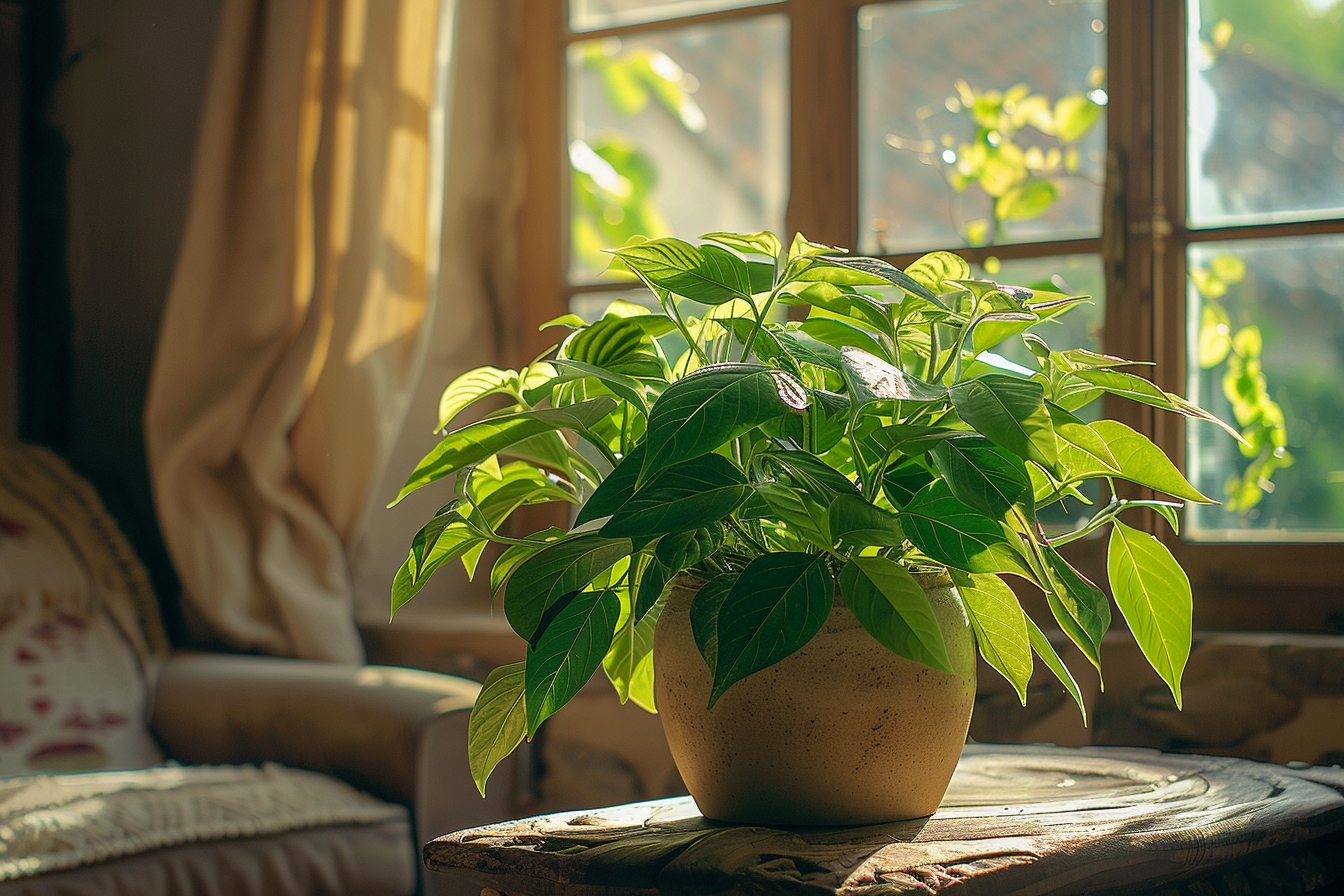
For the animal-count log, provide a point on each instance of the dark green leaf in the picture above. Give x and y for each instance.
(984, 476)
(807, 516)
(1010, 412)
(1046, 651)
(568, 653)
(704, 615)
(1080, 607)
(684, 496)
(652, 583)
(702, 411)
(515, 554)
(893, 608)
(1000, 627)
(855, 521)
(498, 721)
(901, 482)
(775, 607)
(615, 489)
(477, 441)
(808, 472)
(1153, 593)
(958, 536)
(708, 274)
(555, 572)
(838, 334)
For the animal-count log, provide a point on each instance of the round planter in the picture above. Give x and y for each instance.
(842, 732)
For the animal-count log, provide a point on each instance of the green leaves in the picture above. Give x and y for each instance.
(958, 536)
(893, 608)
(498, 721)
(1153, 593)
(699, 413)
(774, 607)
(1009, 412)
(688, 495)
(554, 574)
(629, 662)
(1000, 627)
(474, 443)
(1136, 459)
(1079, 606)
(984, 476)
(568, 653)
(707, 274)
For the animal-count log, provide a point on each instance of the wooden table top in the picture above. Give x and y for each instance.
(1016, 819)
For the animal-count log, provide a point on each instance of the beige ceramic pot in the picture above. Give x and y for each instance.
(842, 732)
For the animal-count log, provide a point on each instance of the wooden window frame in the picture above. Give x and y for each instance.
(1143, 242)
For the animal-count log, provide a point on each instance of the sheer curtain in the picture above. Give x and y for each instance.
(300, 311)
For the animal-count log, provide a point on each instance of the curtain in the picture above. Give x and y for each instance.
(299, 313)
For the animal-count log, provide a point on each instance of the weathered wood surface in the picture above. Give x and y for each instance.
(1033, 819)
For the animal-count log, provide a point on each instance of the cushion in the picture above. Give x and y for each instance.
(79, 637)
(50, 825)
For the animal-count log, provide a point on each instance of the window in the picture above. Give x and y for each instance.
(1180, 160)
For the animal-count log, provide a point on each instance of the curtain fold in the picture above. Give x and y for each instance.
(298, 318)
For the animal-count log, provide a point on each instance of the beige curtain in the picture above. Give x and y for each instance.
(300, 309)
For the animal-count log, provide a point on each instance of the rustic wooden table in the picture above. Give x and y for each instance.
(1017, 819)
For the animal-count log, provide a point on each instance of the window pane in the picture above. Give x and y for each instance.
(1266, 350)
(679, 132)
(1266, 110)
(980, 122)
(590, 15)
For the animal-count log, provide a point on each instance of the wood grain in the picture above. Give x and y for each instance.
(1032, 819)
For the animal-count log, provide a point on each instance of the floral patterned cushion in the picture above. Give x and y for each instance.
(75, 657)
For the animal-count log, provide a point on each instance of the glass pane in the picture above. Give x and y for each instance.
(1079, 328)
(590, 15)
(679, 132)
(1266, 110)
(1266, 350)
(980, 122)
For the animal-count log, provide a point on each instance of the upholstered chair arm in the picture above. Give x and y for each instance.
(400, 734)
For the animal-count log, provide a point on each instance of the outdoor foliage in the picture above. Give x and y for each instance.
(774, 462)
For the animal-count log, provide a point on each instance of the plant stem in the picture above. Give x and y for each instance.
(750, 344)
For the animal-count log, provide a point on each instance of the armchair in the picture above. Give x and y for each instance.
(283, 776)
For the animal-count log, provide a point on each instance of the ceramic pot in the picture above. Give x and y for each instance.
(842, 732)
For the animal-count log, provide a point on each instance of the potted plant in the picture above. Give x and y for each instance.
(806, 522)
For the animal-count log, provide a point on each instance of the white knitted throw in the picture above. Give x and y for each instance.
(54, 822)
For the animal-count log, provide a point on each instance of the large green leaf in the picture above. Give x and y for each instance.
(1073, 433)
(1011, 412)
(704, 615)
(775, 607)
(808, 472)
(805, 514)
(847, 270)
(1046, 651)
(615, 489)
(554, 573)
(893, 608)
(515, 554)
(1136, 388)
(629, 662)
(1137, 459)
(900, 483)
(984, 476)
(702, 411)
(857, 522)
(1000, 627)
(475, 442)
(958, 536)
(1153, 593)
(498, 721)
(472, 386)
(684, 496)
(1079, 606)
(568, 653)
(838, 334)
(707, 274)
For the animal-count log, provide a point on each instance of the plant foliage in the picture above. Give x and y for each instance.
(783, 462)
